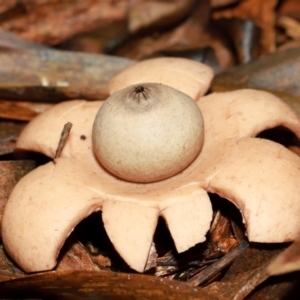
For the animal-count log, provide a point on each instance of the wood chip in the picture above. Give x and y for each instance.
(216, 267)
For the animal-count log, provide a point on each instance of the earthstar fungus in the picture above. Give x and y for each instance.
(47, 203)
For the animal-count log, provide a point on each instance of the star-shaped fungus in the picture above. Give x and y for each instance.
(259, 176)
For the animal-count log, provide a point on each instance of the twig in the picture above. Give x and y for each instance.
(218, 265)
(63, 139)
(195, 263)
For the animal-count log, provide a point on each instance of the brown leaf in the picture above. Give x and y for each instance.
(157, 14)
(261, 12)
(193, 33)
(52, 21)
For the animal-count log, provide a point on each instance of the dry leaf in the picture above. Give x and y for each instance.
(191, 34)
(157, 13)
(261, 12)
(51, 21)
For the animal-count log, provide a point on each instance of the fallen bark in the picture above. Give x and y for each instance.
(52, 76)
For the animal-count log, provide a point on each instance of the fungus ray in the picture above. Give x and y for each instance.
(44, 208)
(244, 113)
(43, 132)
(188, 218)
(261, 178)
(130, 226)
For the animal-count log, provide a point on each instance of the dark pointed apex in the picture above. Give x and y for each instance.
(139, 89)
